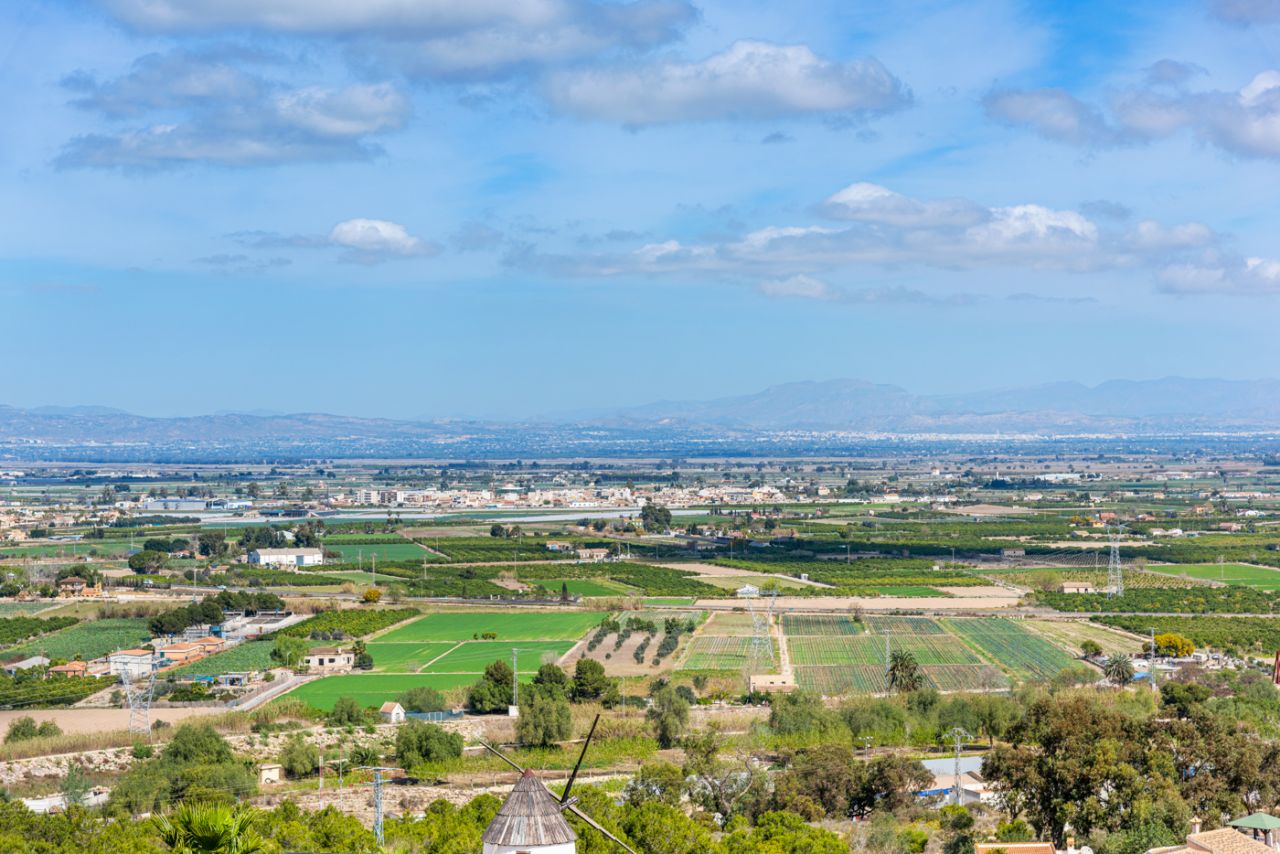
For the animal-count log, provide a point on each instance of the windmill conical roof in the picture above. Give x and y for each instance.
(531, 816)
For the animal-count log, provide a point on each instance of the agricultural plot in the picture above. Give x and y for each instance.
(833, 680)
(730, 624)
(475, 656)
(965, 677)
(1012, 646)
(707, 652)
(509, 626)
(87, 640)
(927, 649)
(384, 551)
(587, 586)
(888, 625)
(1228, 573)
(1070, 634)
(491, 550)
(254, 655)
(405, 657)
(819, 624)
(377, 688)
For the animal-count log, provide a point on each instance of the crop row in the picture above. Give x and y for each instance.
(15, 629)
(352, 622)
(1013, 646)
(820, 624)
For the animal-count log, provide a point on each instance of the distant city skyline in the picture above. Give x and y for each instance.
(505, 209)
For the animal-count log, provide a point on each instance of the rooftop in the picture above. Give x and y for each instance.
(530, 816)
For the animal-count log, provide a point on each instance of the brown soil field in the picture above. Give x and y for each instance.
(101, 720)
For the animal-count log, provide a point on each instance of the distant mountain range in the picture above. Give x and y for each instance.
(1164, 406)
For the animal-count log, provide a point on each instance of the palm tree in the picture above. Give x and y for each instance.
(210, 829)
(904, 672)
(1119, 670)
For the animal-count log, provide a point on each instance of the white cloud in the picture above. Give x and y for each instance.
(873, 203)
(1217, 275)
(1244, 122)
(750, 80)
(885, 229)
(200, 107)
(473, 40)
(374, 240)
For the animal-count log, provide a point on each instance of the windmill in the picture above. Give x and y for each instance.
(531, 820)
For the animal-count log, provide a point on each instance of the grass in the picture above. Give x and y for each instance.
(385, 551)
(509, 625)
(405, 657)
(1229, 573)
(587, 586)
(376, 688)
(475, 656)
(87, 640)
(254, 655)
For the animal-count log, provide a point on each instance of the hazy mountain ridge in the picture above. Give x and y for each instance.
(1169, 405)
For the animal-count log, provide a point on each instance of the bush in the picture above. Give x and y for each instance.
(418, 742)
(545, 719)
(26, 728)
(422, 699)
(299, 758)
(347, 712)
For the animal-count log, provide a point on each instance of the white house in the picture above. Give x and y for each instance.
(392, 712)
(287, 557)
(328, 659)
(748, 591)
(136, 662)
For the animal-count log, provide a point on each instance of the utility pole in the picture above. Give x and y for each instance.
(866, 746)
(959, 734)
(377, 799)
(1151, 660)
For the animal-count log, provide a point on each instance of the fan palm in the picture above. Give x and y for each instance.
(1119, 670)
(904, 672)
(209, 829)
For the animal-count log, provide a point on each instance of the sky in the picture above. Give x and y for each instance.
(502, 208)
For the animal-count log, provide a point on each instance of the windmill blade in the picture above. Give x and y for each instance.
(596, 826)
(498, 753)
(569, 785)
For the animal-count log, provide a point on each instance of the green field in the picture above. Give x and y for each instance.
(587, 587)
(1229, 573)
(254, 655)
(719, 652)
(820, 624)
(86, 640)
(864, 649)
(1012, 646)
(405, 657)
(385, 551)
(376, 688)
(832, 680)
(510, 626)
(475, 656)
(902, 626)
(82, 547)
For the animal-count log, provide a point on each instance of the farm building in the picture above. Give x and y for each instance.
(330, 659)
(71, 668)
(1076, 587)
(270, 772)
(771, 683)
(593, 555)
(26, 664)
(287, 557)
(392, 712)
(135, 662)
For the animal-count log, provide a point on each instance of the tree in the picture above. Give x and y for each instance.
(660, 781)
(494, 690)
(1118, 669)
(904, 672)
(210, 829)
(422, 699)
(669, 715)
(75, 786)
(1174, 644)
(799, 711)
(552, 679)
(290, 650)
(957, 822)
(1090, 648)
(545, 719)
(590, 681)
(496, 530)
(371, 595)
(655, 517)
(347, 711)
(212, 544)
(418, 742)
(299, 758)
(147, 561)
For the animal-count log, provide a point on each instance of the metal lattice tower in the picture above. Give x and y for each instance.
(959, 734)
(1115, 571)
(139, 693)
(377, 798)
(761, 651)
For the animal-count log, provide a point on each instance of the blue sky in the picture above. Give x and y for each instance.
(508, 207)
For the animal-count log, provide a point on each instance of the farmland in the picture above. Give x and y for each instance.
(253, 655)
(1241, 574)
(475, 656)
(902, 625)
(927, 649)
(405, 657)
(1069, 634)
(1012, 646)
(365, 552)
(717, 652)
(1254, 634)
(818, 624)
(509, 626)
(832, 680)
(490, 549)
(376, 688)
(86, 640)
